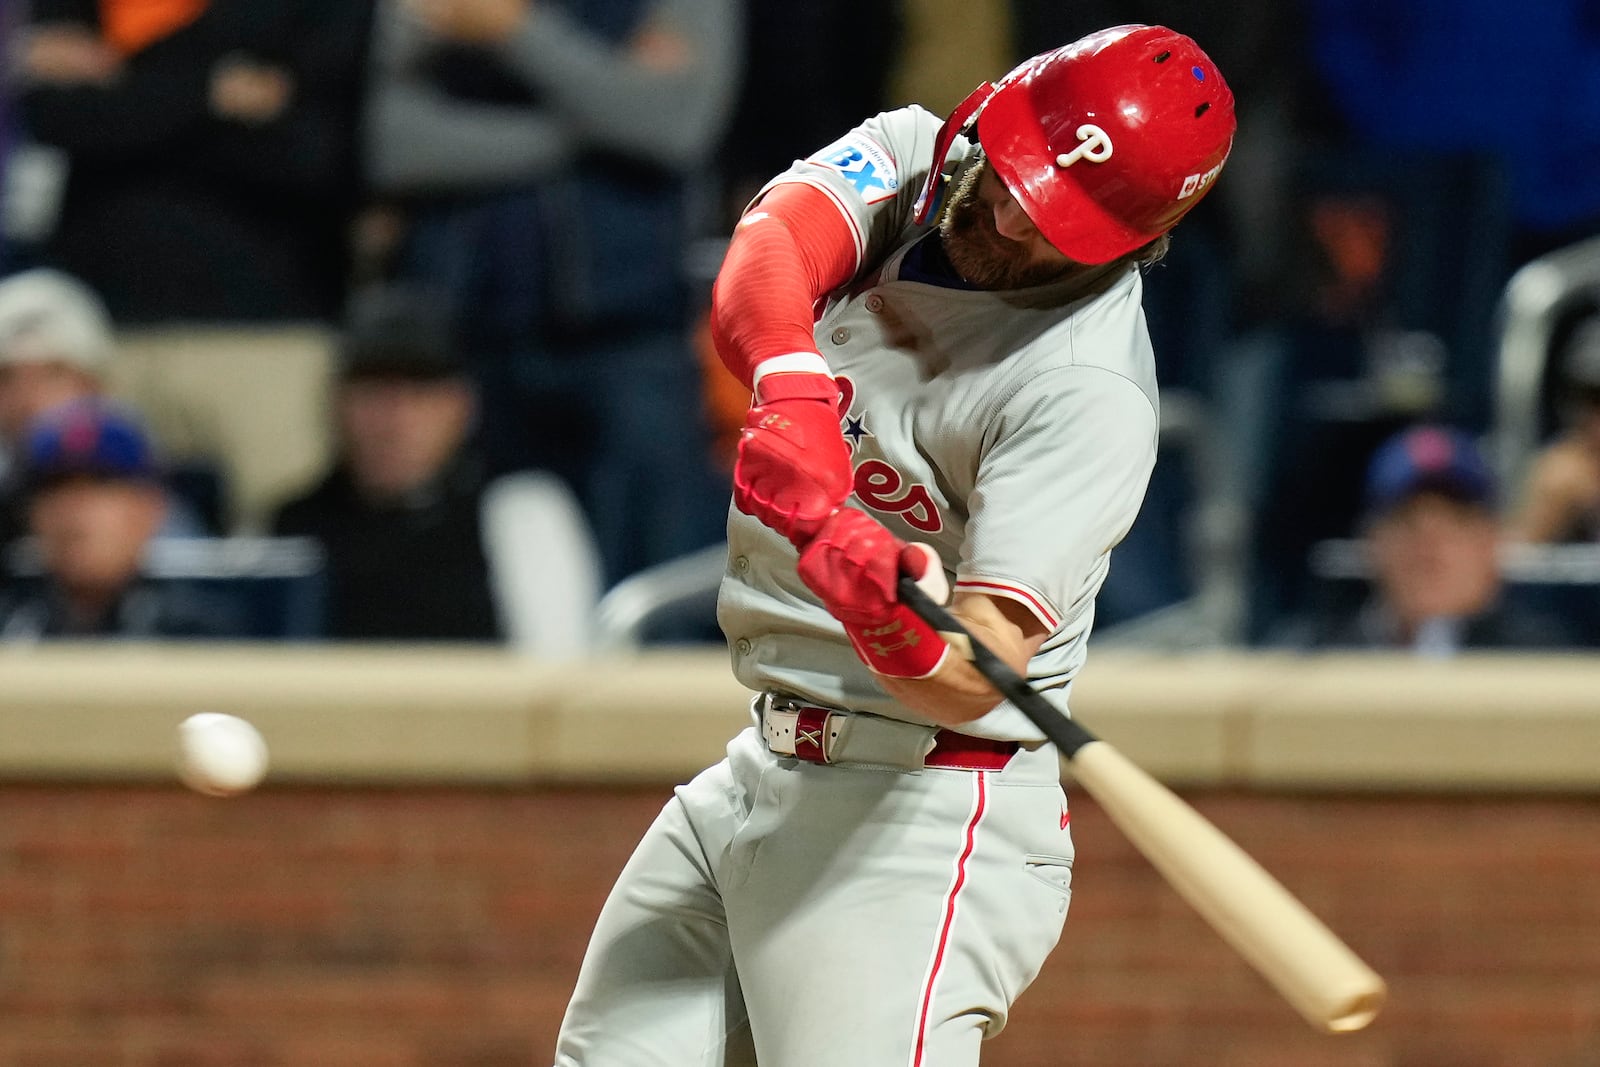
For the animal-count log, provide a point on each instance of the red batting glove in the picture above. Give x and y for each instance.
(793, 468)
(854, 564)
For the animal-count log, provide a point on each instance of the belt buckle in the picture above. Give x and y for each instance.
(812, 728)
(811, 734)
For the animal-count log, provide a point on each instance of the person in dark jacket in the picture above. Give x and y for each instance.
(1433, 539)
(399, 513)
(210, 148)
(94, 497)
(552, 158)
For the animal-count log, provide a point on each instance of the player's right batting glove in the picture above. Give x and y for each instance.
(854, 565)
(793, 468)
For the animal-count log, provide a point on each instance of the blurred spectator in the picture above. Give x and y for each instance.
(55, 346)
(399, 513)
(1433, 541)
(1561, 500)
(1387, 323)
(549, 156)
(210, 148)
(55, 342)
(95, 500)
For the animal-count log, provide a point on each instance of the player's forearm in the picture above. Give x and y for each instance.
(855, 566)
(956, 693)
(786, 253)
(761, 302)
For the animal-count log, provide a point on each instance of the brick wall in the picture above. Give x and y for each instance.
(147, 927)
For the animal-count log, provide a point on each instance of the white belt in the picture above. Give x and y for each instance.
(823, 735)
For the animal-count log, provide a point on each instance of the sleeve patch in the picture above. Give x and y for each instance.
(864, 164)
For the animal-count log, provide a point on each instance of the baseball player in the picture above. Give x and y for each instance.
(941, 324)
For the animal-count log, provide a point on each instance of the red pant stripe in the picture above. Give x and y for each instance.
(948, 920)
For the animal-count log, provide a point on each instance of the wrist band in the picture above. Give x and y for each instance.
(902, 647)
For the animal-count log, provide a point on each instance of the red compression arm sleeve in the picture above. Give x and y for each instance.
(788, 251)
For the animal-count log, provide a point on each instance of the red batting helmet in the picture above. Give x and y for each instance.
(1105, 143)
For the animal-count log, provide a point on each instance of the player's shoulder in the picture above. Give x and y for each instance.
(919, 116)
(1103, 336)
(910, 117)
(873, 173)
(1094, 361)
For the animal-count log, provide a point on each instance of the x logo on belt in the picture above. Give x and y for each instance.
(810, 727)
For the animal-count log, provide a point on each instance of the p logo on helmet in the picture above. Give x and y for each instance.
(1096, 146)
(1144, 104)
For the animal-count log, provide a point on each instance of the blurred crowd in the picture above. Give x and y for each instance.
(334, 273)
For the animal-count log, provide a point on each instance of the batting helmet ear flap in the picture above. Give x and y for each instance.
(960, 121)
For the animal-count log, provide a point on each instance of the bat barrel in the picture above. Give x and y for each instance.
(1312, 969)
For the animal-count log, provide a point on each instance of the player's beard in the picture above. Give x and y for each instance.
(977, 250)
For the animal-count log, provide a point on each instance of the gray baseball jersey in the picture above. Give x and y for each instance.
(874, 911)
(1012, 431)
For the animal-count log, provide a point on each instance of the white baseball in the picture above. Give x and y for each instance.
(220, 755)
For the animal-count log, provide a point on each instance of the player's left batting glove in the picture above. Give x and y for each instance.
(793, 466)
(854, 564)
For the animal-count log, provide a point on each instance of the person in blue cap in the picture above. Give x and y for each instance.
(94, 499)
(1433, 539)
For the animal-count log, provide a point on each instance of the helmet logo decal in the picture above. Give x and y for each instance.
(1095, 146)
(1196, 182)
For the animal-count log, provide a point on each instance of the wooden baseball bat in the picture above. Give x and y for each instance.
(1315, 972)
